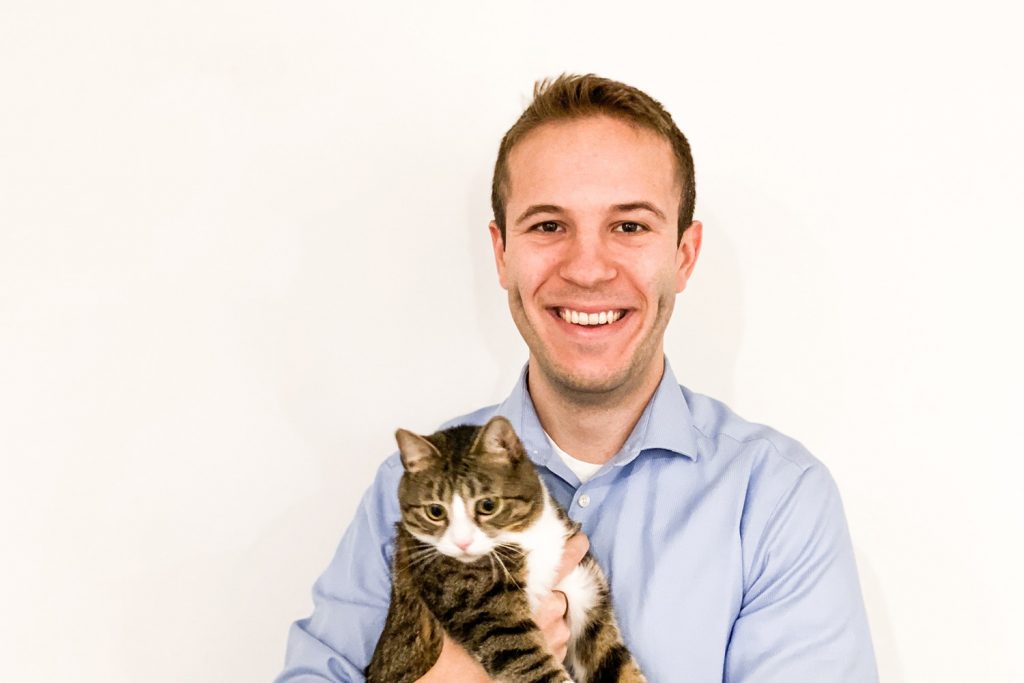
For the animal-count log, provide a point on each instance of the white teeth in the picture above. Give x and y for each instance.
(578, 318)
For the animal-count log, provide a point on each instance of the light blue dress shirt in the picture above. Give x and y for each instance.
(724, 542)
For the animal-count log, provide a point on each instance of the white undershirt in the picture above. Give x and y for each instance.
(583, 470)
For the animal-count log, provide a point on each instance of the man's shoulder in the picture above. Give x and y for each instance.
(774, 470)
(722, 433)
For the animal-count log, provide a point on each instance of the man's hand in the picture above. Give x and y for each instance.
(550, 614)
(455, 664)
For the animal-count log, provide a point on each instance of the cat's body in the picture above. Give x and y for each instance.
(477, 568)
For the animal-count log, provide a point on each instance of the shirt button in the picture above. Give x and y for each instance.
(584, 501)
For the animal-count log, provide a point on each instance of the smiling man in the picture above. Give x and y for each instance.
(592, 259)
(724, 541)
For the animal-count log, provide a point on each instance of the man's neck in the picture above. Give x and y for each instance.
(592, 429)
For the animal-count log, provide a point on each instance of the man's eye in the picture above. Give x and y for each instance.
(630, 227)
(546, 226)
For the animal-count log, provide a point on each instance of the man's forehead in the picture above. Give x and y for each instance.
(597, 158)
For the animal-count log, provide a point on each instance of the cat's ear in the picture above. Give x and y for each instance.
(417, 453)
(498, 441)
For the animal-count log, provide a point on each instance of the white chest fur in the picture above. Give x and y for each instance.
(544, 542)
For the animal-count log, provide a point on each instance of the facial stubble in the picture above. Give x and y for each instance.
(579, 390)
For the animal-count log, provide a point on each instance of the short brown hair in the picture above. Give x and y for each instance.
(573, 96)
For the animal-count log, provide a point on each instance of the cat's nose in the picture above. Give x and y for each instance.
(463, 544)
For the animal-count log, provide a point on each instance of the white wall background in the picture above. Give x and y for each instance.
(242, 242)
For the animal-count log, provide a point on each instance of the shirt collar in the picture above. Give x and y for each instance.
(519, 410)
(666, 423)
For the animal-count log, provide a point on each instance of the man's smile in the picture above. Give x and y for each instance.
(589, 317)
(585, 317)
(590, 324)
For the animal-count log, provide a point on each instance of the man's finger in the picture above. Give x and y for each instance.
(551, 608)
(575, 548)
(565, 603)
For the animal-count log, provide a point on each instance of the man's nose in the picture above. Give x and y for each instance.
(587, 261)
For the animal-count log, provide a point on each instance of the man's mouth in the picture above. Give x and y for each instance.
(575, 317)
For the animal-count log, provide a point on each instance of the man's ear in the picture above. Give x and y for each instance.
(498, 244)
(687, 253)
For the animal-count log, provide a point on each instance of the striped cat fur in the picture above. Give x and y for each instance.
(478, 544)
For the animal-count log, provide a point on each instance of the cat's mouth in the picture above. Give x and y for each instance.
(469, 558)
(590, 318)
(464, 556)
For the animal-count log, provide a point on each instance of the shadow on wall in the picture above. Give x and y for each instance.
(494, 322)
(890, 667)
(703, 339)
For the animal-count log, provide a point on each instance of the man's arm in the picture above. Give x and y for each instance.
(802, 617)
(351, 597)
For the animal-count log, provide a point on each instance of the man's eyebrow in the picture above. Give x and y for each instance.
(640, 206)
(539, 208)
(621, 208)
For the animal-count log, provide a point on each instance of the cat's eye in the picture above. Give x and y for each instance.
(486, 506)
(435, 511)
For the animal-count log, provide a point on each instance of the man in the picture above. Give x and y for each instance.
(724, 541)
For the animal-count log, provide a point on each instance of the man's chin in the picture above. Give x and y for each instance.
(587, 381)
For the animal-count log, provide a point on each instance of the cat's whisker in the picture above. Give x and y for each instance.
(423, 560)
(497, 556)
(509, 553)
(424, 550)
(511, 547)
(420, 559)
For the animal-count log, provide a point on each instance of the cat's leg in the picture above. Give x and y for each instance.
(597, 653)
(495, 626)
(409, 645)
(411, 640)
(601, 657)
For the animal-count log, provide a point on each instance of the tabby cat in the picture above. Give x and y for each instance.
(478, 545)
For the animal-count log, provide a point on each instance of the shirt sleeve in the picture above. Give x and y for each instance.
(351, 598)
(802, 617)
